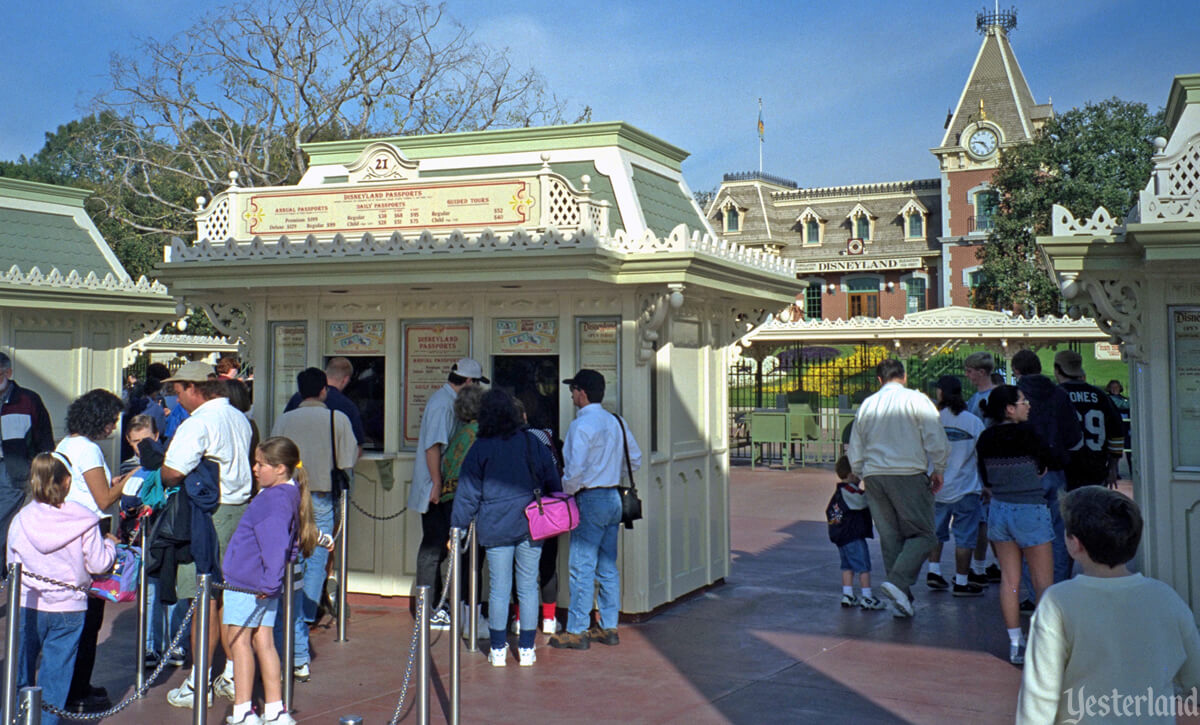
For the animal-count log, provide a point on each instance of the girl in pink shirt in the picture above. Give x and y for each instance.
(60, 540)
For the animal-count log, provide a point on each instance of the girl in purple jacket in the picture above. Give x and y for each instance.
(61, 540)
(277, 522)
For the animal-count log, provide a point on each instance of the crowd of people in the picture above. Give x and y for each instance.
(205, 495)
(1033, 475)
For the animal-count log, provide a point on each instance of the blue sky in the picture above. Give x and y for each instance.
(853, 92)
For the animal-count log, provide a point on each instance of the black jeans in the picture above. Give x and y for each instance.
(548, 570)
(435, 532)
(85, 660)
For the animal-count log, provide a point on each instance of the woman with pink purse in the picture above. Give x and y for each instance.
(497, 480)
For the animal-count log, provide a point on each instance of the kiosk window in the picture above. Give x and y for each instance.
(365, 390)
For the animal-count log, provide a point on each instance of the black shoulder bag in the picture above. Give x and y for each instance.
(338, 480)
(631, 505)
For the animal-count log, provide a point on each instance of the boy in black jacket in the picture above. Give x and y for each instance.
(850, 527)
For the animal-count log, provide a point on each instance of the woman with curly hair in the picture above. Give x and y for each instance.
(92, 417)
(497, 479)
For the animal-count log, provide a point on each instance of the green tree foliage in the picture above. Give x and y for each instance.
(1098, 155)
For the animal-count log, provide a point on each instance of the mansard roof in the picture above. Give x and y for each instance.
(996, 80)
(776, 219)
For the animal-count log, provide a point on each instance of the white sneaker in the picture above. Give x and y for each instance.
(223, 686)
(248, 719)
(185, 696)
(526, 656)
(902, 604)
(551, 626)
(301, 673)
(282, 718)
(176, 657)
(440, 620)
(499, 657)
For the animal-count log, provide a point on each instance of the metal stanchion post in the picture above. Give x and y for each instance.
(31, 706)
(343, 566)
(289, 632)
(350, 720)
(143, 615)
(473, 591)
(455, 623)
(423, 605)
(200, 655)
(12, 647)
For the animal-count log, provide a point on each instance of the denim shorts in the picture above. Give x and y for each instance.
(966, 513)
(1027, 524)
(855, 556)
(247, 610)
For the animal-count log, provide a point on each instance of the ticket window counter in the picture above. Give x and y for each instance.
(534, 380)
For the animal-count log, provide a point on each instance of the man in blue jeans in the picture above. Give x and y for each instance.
(326, 441)
(594, 454)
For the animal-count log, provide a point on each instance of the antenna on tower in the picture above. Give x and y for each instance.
(1006, 20)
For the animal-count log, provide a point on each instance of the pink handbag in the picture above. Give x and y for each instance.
(551, 515)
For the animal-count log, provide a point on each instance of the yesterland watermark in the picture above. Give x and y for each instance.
(1081, 705)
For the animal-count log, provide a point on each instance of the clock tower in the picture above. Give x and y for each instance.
(995, 111)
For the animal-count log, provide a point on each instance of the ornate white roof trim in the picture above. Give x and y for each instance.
(518, 241)
(1064, 223)
(913, 206)
(945, 322)
(810, 213)
(74, 282)
(860, 210)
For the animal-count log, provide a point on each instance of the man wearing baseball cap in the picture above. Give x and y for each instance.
(218, 432)
(594, 454)
(437, 424)
(1095, 463)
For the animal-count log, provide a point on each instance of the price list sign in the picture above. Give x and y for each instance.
(599, 350)
(1185, 385)
(429, 351)
(411, 207)
(289, 355)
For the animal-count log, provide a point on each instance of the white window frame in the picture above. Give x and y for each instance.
(861, 211)
(805, 217)
(914, 207)
(966, 275)
(904, 280)
(819, 283)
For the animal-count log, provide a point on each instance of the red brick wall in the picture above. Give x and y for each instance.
(892, 303)
(961, 257)
(960, 209)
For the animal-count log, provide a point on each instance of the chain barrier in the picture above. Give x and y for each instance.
(57, 583)
(370, 515)
(137, 694)
(239, 590)
(412, 655)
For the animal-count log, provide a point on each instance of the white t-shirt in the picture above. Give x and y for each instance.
(84, 455)
(962, 469)
(219, 432)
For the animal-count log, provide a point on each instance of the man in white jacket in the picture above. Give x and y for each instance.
(896, 440)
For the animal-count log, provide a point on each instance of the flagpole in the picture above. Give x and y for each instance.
(760, 136)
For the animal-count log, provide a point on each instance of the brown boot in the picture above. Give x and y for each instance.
(567, 640)
(604, 636)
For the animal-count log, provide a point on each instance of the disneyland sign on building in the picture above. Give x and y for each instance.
(859, 265)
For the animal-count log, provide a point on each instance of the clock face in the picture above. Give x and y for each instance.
(983, 142)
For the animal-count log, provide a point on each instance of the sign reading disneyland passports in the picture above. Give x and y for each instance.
(465, 205)
(430, 348)
(1185, 386)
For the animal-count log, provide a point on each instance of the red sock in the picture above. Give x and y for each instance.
(548, 610)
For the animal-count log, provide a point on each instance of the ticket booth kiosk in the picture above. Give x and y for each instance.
(537, 252)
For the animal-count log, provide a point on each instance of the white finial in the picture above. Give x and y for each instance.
(200, 202)
(1160, 143)
(545, 161)
(233, 177)
(586, 180)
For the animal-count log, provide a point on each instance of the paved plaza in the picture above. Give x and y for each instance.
(770, 645)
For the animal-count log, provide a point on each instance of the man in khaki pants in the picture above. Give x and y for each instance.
(897, 438)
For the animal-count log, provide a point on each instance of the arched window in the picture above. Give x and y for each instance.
(987, 203)
(731, 220)
(915, 296)
(812, 232)
(862, 227)
(916, 226)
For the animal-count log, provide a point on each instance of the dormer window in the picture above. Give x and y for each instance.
(729, 215)
(862, 223)
(914, 213)
(812, 226)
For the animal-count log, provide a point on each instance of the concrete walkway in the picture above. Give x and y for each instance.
(770, 645)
